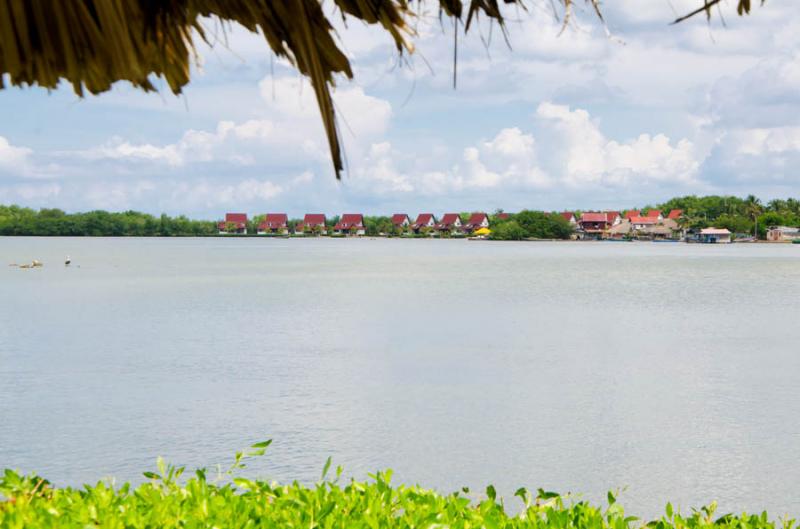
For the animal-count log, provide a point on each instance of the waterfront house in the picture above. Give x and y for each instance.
(313, 223)
(477, 221)
(569, 217)
(715, 235)
(424, 222)
(632, 213)
(613, 218)
(782, 233)
(675, 214)
(656, 214)
(643, 223)
(401, 221)
(234, 223)
(593, 224)
(450, 223)
(351, 224)
(274, 224)
(621, 230)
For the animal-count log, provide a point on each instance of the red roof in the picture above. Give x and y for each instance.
(568, 215)
(448, 220)
(654, 213)
(675, 214)
(350, 220)
(476, 219)
(503, 216)
(632, 213)
(399, 218)
(236, 217)
(611, 216)
(274, 221)
(644, 220)
(239, 219)
(311, 220)
(594, 217)
(423, 219)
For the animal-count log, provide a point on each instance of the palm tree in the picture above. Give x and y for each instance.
(753, 208)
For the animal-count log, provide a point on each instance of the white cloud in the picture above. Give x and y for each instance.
(13, 157)
(588, 157)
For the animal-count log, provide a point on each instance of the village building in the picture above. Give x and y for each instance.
(477, 221)
(425, 221)
(274, 224)
(613, 218)
(675, 214)
(783, 234)
(234, 223)
(450, 223)
(569, 217)
(715, 235)
(656, 214)
(621, 230)
(401, 221)
(351, 224)
(632, 213)
(643, 223)
(313, 223)
(593, 224)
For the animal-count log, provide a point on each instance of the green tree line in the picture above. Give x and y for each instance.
(15, 220)
(740, 215)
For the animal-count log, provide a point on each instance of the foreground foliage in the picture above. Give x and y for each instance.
(235, 502)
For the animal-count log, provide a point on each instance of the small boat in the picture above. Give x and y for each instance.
(666, 240)
(795, 241)
(618, 240)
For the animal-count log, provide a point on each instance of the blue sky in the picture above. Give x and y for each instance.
(586, 119)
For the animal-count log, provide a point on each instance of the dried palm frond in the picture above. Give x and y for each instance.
(94, 43)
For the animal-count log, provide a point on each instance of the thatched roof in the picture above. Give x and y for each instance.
(95, 43)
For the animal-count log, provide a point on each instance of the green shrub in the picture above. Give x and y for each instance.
(230, 501)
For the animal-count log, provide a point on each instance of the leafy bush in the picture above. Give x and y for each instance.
(229, 501)
(508, 231)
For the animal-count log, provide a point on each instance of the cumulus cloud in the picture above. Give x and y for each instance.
(11, 156)
(586, 156)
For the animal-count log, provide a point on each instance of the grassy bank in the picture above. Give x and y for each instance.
(170, 500)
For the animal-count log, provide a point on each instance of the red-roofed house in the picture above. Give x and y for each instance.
(594, 224)
(655, 213)
(503, 215)
(274, 223)
(401, 220)
(313, 223)
(569, 217)
(451, 222)
(234, 223)
(632, 213)
(424, 221)
(675, 214)
(477, 221)
(351, 223)
(613, 217)
(641, 223)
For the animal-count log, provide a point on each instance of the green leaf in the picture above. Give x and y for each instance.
(669, 510)
(151, 475)
(326, 467)
(262, 444)
(611, 498)
(491, 492)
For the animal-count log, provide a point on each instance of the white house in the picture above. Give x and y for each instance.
(715, 235)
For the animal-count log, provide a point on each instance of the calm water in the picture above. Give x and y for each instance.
(670, 369)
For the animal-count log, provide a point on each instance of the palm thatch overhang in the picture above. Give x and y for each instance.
(94, 43)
